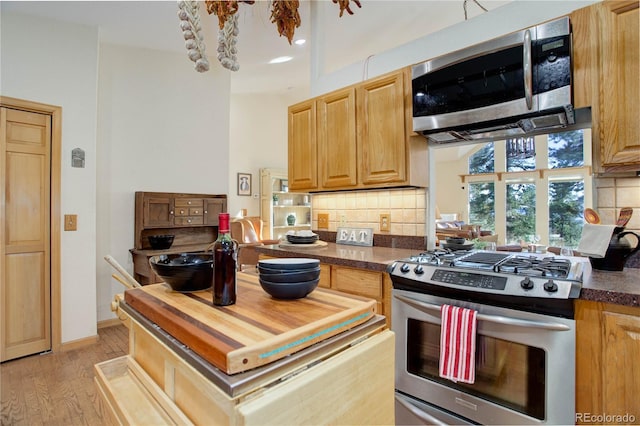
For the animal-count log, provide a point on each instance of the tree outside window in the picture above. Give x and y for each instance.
(512, 187)
(521, 213)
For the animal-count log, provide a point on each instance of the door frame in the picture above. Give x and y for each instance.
(55, 112)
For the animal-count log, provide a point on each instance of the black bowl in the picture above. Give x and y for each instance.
(296, 239)
(184, 272)
(455, 240)
(289, 263)
(160, 242)
(291, 276)
(289, 290)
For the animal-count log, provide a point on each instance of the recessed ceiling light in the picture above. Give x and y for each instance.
(300, 41)
(280, 59)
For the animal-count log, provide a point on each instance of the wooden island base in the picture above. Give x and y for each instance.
(345, 379)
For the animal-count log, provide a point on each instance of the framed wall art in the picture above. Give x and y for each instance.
(244, 184)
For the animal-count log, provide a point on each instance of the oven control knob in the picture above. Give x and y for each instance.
(527, 284)
(550, 286)
(405, 268)
(419, 270)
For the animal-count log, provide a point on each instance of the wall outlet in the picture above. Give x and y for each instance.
(385, 222)
(343, 219)
(323, 220)
(70, 222)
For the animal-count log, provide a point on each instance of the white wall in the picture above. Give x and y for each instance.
(505, 19)
(56, 64)
(258, 139)
(451, 197)
(163, 127)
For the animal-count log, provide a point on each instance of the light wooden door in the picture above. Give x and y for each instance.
(619, 107)
(620, 369)
(25, 237)
(303, 147)
(337, 139)
(381, 129)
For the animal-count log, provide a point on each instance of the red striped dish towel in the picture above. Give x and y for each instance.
(458, 344)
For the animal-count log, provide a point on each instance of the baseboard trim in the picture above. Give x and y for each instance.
(80, 343)
(109, 323)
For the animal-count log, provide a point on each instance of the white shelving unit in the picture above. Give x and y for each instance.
(273, 184)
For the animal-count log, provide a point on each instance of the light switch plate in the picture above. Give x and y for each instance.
(323, 220)
(385, 222)
(70, 222)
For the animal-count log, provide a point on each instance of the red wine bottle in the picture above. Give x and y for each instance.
(225, 254)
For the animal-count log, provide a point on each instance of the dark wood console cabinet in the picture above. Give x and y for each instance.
(192, 218)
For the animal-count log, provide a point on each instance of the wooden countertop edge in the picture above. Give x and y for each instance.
(590, 290)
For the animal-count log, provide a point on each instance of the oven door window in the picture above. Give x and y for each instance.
(507, 373)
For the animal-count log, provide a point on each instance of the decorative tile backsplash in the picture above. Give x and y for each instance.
(406, 207)
(611, 195)
(614, 193)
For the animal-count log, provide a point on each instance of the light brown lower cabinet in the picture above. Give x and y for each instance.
(607, 363)
(360, 282)
(154, 385)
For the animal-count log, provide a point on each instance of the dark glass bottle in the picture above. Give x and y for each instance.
(225, 254)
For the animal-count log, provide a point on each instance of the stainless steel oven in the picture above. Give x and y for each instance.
(525, 340)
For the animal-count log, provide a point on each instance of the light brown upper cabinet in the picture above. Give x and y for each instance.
(362, 135)
(303, 146)
(336, 132)
(606, 50)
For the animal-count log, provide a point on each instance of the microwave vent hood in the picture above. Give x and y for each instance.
(516, 85)
(508, 128)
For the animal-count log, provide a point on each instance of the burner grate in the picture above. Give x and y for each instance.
(534, 266)
(484, 258)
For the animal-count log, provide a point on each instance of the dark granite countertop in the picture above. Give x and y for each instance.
(617, 287)
(371, 258)
(620, 288)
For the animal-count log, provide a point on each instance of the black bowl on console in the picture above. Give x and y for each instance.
(184, 272)
(160, 242)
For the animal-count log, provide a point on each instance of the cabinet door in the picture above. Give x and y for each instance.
(354, 386)
(620, 108)
(336, 134)
(303, 148)
(158, 212)
(212, 208)
(361, 282)
(620, 370)
(381, 130)
(607, 374)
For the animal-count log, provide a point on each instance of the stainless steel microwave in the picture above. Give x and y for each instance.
(515, 85)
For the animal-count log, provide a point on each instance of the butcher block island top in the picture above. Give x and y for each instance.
(257, 329)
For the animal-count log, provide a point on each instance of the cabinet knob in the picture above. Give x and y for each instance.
(188, 220)
(205, 212)
(189, 202)
(171, 212)
(181, 211)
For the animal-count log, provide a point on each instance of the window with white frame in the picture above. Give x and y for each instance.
(532, 190)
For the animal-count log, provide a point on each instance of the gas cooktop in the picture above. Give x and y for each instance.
(512, 274)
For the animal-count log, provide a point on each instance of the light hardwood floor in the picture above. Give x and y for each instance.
(58, 388)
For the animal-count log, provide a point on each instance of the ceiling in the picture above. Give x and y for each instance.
(376, 27)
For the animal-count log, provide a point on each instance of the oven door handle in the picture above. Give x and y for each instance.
(491, 318)
(422, 415)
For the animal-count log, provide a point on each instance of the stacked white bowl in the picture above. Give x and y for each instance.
(289, 277)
